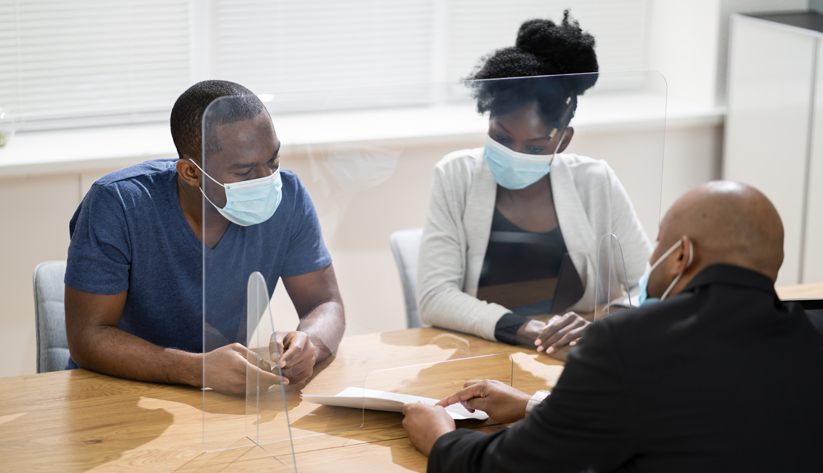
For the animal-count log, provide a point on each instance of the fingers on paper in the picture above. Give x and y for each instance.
(465, 394)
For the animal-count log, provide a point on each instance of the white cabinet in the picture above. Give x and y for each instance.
(813, 241)
(774, 127)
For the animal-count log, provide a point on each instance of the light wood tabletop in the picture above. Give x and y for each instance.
(801, 291)
(83, 421)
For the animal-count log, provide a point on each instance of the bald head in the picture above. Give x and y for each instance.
(730, 223)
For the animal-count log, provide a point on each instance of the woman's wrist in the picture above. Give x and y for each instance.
(529, 331)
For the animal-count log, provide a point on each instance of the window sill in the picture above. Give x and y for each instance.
(81, 150)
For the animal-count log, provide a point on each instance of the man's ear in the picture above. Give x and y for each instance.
(567, 138)
(188, 172)
(684, 255)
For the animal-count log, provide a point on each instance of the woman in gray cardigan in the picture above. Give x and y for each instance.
(502, 218)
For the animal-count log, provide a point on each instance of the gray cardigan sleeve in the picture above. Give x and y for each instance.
(441, 269)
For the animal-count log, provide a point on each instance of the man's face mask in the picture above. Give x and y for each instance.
(514, 170)
(249, 202)
(644, 298)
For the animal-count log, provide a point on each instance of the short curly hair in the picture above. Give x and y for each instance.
(187, 114)
(542, 48)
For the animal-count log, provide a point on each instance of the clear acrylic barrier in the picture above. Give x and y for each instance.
(228, 306)
(331, 142)
(267, 413)
(369, 170)
(238, 145)
(613, 291)
(365, 157)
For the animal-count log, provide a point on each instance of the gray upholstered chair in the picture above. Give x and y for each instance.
(406, 245)
(50, 316)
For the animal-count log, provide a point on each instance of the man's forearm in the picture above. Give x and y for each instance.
(325, 325)
(112, 351)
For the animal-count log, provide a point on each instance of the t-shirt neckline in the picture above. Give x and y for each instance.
(181, 219)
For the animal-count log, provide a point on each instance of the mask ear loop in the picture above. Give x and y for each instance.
(205, 174)
(688, 264)
(201, 187)
(559, 143)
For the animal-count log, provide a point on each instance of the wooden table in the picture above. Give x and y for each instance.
(83, 421)
(801, 291)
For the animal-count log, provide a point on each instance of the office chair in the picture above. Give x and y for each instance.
(406, 245)
(50, 316)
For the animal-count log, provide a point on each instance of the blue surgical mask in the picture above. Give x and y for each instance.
(643, 298)
(514, 170)
(249, 202)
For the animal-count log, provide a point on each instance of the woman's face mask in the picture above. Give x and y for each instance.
(514, 170)
(521, 146)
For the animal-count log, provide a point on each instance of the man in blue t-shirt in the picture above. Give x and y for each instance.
(146, 239)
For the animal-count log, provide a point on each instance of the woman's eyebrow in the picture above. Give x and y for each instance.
(504, 128)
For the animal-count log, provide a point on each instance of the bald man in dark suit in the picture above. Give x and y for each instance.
(712, 373)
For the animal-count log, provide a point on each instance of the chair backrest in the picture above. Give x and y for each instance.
(406, 245)
(50, 316)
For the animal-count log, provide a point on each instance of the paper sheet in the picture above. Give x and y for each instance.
(360, 398)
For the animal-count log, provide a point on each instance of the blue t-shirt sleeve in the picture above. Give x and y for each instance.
(306, 251)
(100, 249)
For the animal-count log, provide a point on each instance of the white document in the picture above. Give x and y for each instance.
(360, 398)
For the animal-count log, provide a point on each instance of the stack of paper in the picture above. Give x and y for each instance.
(360, 398)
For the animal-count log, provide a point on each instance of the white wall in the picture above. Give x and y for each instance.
(683, 47)
(688, 43)
(36, 211)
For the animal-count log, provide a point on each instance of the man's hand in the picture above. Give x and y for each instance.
(560, 334)
(297, 355)
(226, 370)
(425, 424)
(500, 401)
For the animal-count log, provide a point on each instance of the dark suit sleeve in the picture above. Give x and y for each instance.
(589, 421)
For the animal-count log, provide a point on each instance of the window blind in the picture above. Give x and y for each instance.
(96, 62)
(272, 46)
(478, 27)
(74, 63)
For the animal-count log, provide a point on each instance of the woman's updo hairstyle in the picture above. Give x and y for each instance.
(543, 48)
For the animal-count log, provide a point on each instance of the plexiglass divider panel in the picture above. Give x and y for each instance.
(267, 411)
(230, 136)
(257, 227)
(613, 291)
(361, 162)
(369, 171)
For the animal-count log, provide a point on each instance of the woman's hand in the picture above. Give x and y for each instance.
(560, 334)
